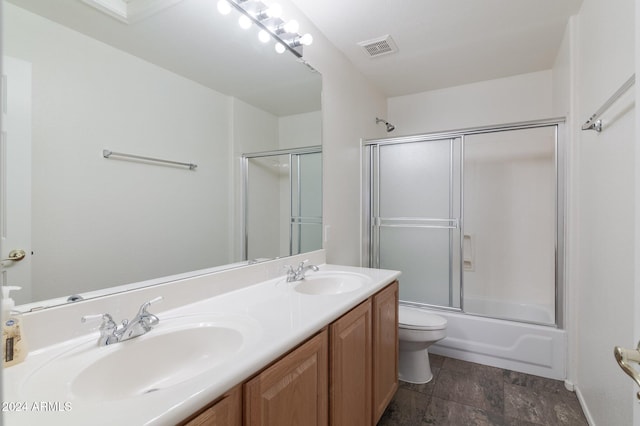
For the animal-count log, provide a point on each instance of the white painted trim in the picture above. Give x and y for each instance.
(636, 278)
(130, 11)
(584, 407)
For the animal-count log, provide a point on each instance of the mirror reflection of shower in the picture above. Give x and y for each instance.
(282, 203)
(390, 127)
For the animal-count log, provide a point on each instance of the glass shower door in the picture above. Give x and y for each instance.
(306, 203)
(415, 218)
(510, 224)
(474, 221)
(282, 206)
(266, 207)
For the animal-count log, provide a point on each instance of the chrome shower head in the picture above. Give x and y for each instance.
(390, 127)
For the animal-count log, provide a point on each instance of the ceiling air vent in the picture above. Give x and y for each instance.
(379, 46)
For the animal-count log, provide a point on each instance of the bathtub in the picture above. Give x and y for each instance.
(527, 348)
(527, 312)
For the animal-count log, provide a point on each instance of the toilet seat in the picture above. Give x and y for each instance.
(418, 319)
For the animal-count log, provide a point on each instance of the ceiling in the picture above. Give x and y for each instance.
(444, 43)
(441, 43)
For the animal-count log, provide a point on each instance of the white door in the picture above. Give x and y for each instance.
(15, 176)
(636, 310)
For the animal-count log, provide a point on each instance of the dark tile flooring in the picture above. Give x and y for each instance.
(463, 393)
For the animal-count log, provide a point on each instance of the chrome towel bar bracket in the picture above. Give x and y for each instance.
(594, 122)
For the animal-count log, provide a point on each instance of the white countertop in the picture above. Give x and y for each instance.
(279, 319)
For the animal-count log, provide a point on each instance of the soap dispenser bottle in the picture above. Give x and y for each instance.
(14, 347)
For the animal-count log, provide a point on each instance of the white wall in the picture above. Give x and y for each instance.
(300, 130)
(597, 56)
(505, 100)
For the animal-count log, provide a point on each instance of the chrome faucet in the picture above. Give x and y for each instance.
(298, 273)
(111, 333)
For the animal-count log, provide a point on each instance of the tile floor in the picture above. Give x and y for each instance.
(467, 394)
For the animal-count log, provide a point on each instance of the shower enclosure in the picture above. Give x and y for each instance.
(472, 218)
(282, 203)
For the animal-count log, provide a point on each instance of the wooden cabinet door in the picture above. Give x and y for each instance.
(293, 391)
(385, 348)
(350, 368)
(225, 412)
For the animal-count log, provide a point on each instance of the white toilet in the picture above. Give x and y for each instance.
(418, 329)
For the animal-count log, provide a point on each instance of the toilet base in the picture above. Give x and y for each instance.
(414, 367)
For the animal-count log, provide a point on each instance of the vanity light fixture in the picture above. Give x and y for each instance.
(291, 27)
(244, 22)
(273, 11)
(224, 7)
(304, 40)
(268, 19)
(264, 36)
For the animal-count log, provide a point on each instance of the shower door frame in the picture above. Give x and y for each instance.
(370, 225)
(450, 223)
(293, 219)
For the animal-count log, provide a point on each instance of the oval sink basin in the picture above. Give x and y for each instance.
(158, 362)
(177, 350)
(330, 283)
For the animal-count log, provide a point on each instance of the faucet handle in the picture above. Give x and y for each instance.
(145, 305)
(93, 317)
(107, 320)
(146, 318)
(108, 328)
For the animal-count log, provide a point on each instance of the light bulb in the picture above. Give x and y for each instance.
(244, 22)
(224, 7)
(275, 10)
(264, 36)
(291, 26)
(306, 39)
(280, 48)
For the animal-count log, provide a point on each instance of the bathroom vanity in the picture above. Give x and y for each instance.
(248, 351)
(329, 379)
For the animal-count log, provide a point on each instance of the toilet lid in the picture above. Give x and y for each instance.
(419, 319)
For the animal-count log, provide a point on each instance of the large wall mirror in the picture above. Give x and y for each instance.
(184, 84)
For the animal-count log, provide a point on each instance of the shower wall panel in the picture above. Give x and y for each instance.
(509, 213)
